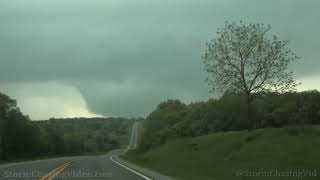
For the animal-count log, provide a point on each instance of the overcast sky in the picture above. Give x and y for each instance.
(66, 58)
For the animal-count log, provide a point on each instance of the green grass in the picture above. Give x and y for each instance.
(219, 156)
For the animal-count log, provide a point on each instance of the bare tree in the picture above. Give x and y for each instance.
(247, 59)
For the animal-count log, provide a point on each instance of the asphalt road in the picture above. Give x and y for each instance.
(133, 143)
(84, 167)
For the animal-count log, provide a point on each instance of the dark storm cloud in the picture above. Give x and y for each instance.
(126, 56)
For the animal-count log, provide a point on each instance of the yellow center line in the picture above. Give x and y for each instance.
(56, 171)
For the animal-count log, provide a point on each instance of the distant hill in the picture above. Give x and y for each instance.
(87, 135)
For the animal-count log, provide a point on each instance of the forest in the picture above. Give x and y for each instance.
(21, 138)
(173, 119)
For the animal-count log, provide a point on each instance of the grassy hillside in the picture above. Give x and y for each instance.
(221, 155)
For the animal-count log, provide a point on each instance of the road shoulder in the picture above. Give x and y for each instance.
(152, 174)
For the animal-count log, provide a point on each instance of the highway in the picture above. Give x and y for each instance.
(134, 136)
(83, 167)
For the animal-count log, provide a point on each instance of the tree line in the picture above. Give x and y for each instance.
(173, 119)
(22, 138)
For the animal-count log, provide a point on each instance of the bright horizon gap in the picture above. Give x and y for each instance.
(45, 100)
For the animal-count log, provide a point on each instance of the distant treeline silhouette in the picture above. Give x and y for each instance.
(22, 138)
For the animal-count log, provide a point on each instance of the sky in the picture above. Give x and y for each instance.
(87, 58)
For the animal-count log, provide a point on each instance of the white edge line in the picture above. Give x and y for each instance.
(129, 169)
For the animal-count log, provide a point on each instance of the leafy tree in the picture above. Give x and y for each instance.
(246, 58)
(6, 105)
(160, 123)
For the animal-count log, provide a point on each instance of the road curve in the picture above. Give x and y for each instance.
(82, 167)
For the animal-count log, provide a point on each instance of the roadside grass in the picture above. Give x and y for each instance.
(220, 156)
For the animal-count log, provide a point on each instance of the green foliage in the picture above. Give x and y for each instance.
(245, 58)
(173, 119)
(85, 135)
(160, 123)
(22, 138)
(18, 136)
